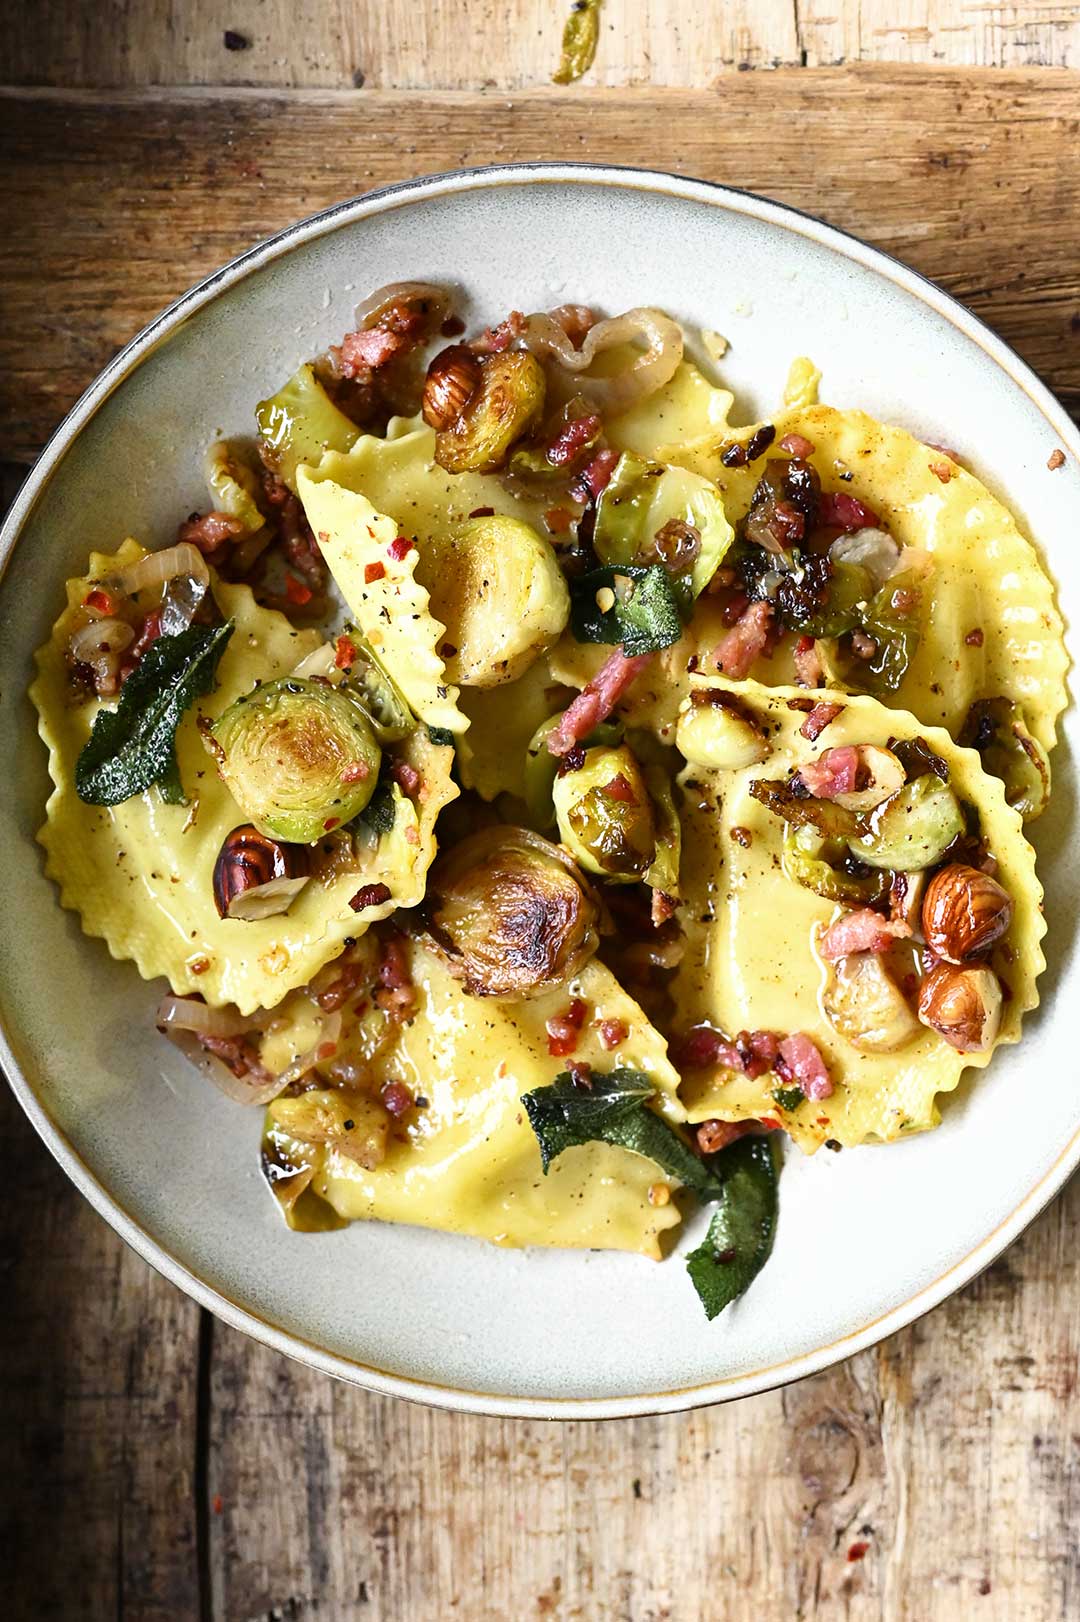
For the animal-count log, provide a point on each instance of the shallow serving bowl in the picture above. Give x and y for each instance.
(868, 1239)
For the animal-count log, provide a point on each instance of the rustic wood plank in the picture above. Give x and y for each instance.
(155, 191)
(398, 44)
(97, 1409)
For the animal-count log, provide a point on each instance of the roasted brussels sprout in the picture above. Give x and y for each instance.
(780, 796)
(663, 874)
(502, 597)
(784, 506)
(995, 727)
(541, 766)
(606, 816)
(891, 622)
(827, 867)
(353, 1123)
(299, 757)
(716, 733)
(300, 422)
(653, 513)
(863, 1004)
(843, 602)
(503, 405)
(509, 914)
(378, 692)
(234, 484)
(913, 828)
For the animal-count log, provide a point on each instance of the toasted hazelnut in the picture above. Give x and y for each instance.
(964, 912)
(962, 1005)
(452, 379)
(256, 876)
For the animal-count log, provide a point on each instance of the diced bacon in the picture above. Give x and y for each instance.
(296, 591)
(661, 907)
(151, 630)
(397, 1099)
(620, 788)
(835, 772)
(702, 1047)
(209, 531)
(809, 671)
(613, 1032)
(596, 475)
(495, 339)
(712, 1136)
(406, 776)
(746, 640)
(238, 1055)
(575, 437)
(596, 701)
(839, 510)
(362, 353)
(819, 718)
(344, 653)
(861, 931)
(357, 771)
(808, 1069)
(796, 445)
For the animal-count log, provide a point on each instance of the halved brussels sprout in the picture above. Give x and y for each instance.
(299, 757)
(234, 484)
(541, 766)
(498, 589)
(509, 398)
(664, 872)
(847, 596)
(300, 422)
(995, 727)
(863, 1004)
(818, 864)
(779, 795)
(606, 816)
(718, 735)
(913, 829)
(384, 704)
(892, 620)
(650, 512)
(353, 1123)
(509, 914)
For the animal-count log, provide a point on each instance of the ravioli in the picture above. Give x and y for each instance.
(140, 874)
(502, 721)
(749, 961)
(471, 1164)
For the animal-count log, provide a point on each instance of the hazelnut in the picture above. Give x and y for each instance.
(452, 379)
(256, 876)
(962, 1005)
(964, 912)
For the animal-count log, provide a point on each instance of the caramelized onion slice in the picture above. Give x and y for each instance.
(650, 369)
(256, 1086)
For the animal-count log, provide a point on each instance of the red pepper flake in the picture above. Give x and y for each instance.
(796, 445)
(1055, 460)
(613, 1032)
(331, 822)
(370, 895)
(397, 1099)
(482, 512)
(857, 1550)
(345, 650)
(620, 788)
(373, 571)
(400, 548)
(558, 520)
(326, 1050)
(100, 601)
(944, 470)
(975, 638)
(296, 591)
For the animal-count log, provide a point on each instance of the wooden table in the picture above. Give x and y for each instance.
(158, 1465)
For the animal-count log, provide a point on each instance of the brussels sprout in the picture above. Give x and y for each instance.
(912, 829)
(653, 513)
(541, 766)
(846, 597)
(863, 1004)
(995, 727)
(299, 757)
(508, 400)
(779, 796)
(509, 914)
(664, 872)
(718, 735)
(300, 422)
(499, 591)
(818, 864)
(891, 620)
(234, 484)
(385, 706)
(605, 814)
(354, 1124)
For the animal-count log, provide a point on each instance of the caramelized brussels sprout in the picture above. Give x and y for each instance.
(500, 593)
(863, 1004)
(300, 422)
(606, 816)
(505, 403)
(891, 620)
(299, 757)
(541, 766)
(353, 1123)
(913, 828)
(509, 914)
(664, 872)
(843, 601)
(782, 798)
(718, 735)
(234, 484)
(995, 727)
(378, 692)
(652, 513)
(827, 867)
(784, 506)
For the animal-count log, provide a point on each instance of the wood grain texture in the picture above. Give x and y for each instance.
(512, 44)
(155, 191)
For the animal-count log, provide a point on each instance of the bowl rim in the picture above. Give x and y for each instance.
(157, 331)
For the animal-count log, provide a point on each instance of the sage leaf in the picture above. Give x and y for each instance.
(740, 1236)
(645, 622)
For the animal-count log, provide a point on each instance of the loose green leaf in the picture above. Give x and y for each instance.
(379, 813)
(647, 621)
(740, 1235)
(613, 1109)
(789, 1098)
(133, 746)
(581, 35)
(638, 508)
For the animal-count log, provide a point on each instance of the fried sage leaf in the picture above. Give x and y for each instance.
(613, 1109)
(740, 1236)
(645, 620)
(132, 747)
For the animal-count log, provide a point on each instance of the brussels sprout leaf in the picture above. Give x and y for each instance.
(133, 746)
(646, 621)
(613, 1109)
(740, 1235)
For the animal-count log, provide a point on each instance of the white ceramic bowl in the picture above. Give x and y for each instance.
(867, 1240)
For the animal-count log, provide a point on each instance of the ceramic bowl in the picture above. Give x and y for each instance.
(867, 1240)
